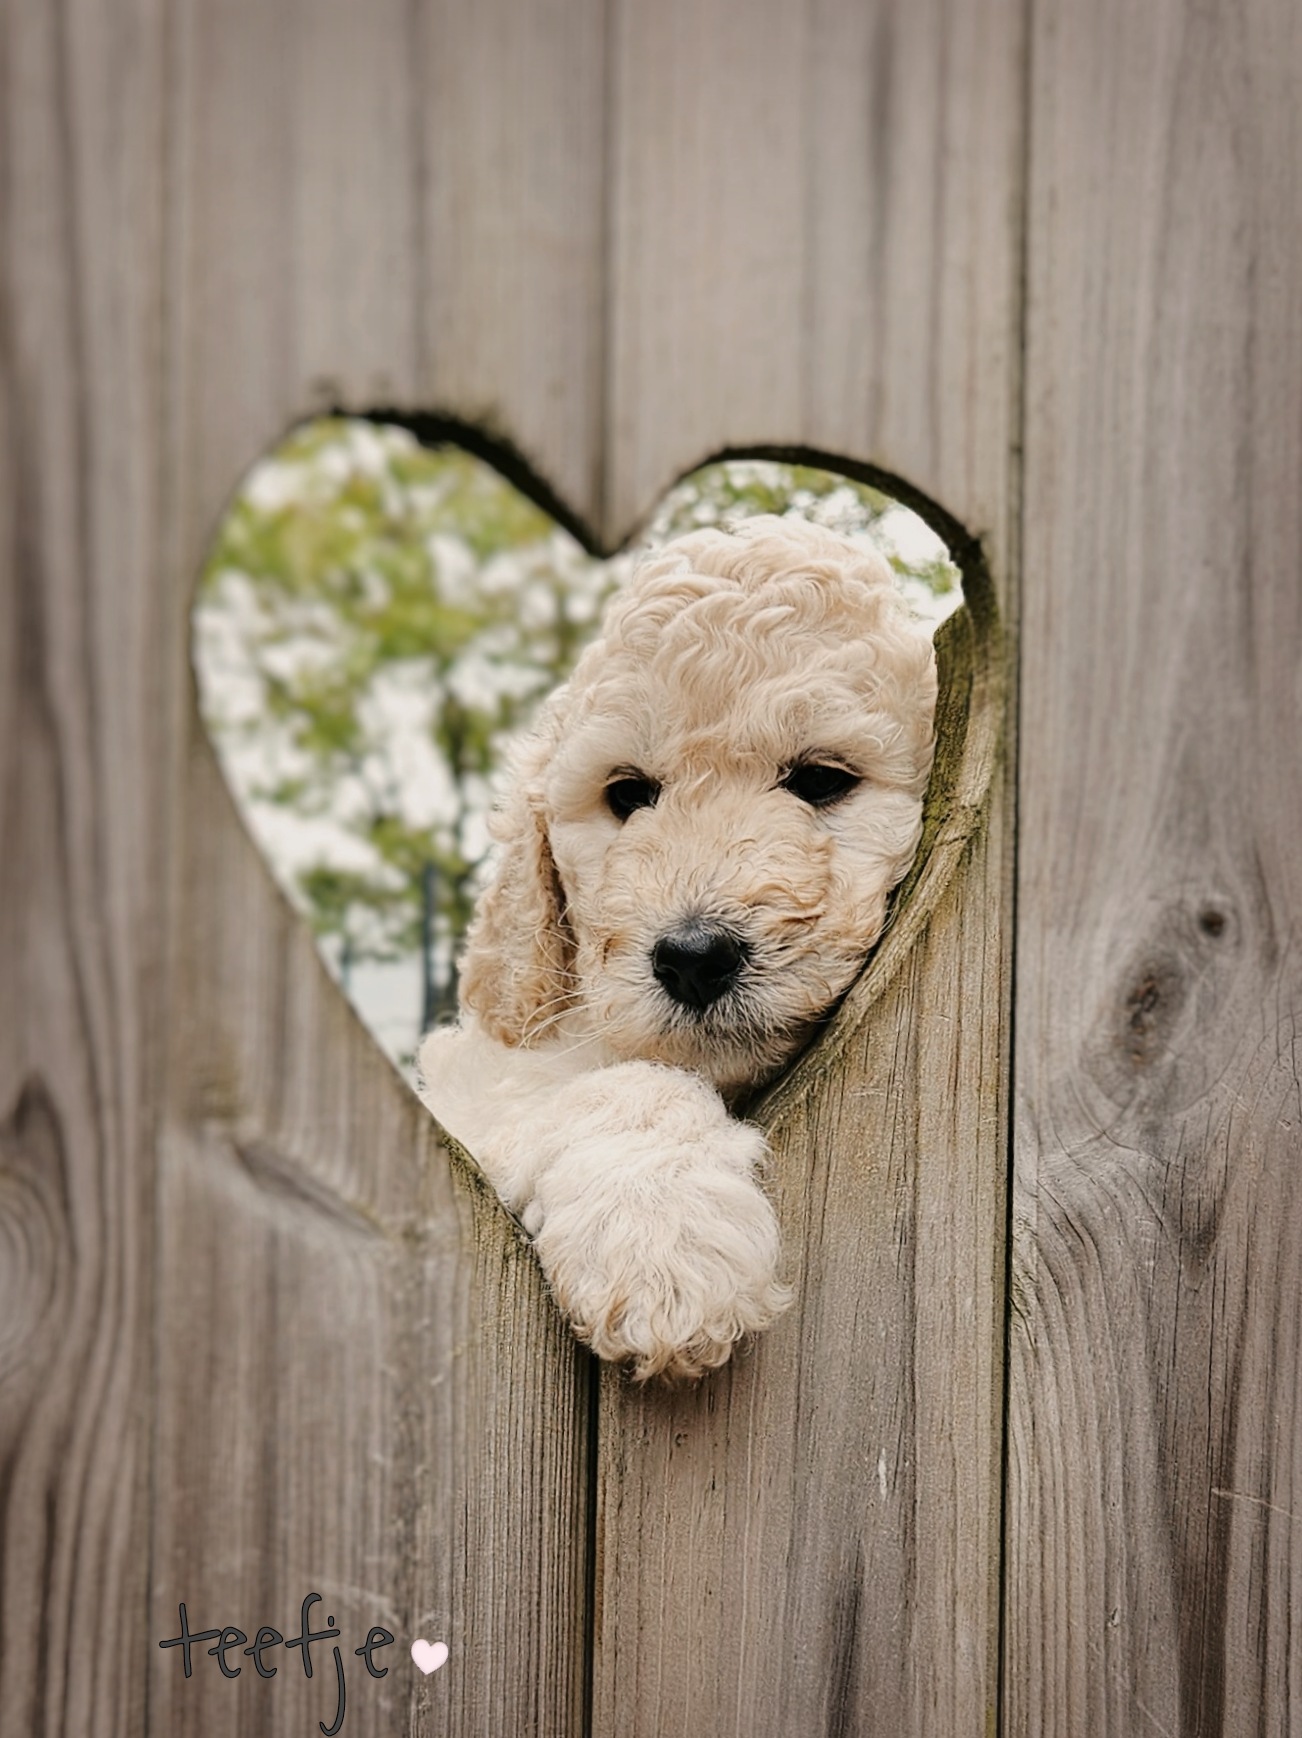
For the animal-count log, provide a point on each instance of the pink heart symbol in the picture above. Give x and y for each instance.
(429, 1655)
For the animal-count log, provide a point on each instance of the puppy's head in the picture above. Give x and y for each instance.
(705, 825)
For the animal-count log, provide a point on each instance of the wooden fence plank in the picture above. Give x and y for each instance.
(293, 211)
(815, 241)
(362, 1390)
(395, 207)
(1155, 1569)
(258, 1336)
(814, 212)
(512, 247)
(83, 835)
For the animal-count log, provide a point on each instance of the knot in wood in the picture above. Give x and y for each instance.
(1152, 1007)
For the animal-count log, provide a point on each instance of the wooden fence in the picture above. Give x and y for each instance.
(1027, 1456)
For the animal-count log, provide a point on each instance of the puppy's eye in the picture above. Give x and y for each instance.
(820, 786)
(630, 791)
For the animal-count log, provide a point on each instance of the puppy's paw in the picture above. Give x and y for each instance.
(650, 1223)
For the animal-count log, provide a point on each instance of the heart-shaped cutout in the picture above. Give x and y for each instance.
(429, 1655)
(376, 618)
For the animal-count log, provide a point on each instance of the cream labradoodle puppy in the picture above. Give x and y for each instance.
(696, 852)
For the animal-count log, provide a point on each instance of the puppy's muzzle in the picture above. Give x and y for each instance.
(697, 963)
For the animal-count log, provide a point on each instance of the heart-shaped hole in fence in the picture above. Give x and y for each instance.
(377, 617)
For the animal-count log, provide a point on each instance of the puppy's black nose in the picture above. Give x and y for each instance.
(696, 963)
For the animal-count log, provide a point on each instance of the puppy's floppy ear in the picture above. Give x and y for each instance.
(516, 972)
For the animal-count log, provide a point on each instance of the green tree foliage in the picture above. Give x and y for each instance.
(374, 618)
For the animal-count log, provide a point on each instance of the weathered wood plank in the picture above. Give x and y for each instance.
(294, 207)
(813, 213)
(257, 1337)
(1155, 1567)
(815, 242)
(362, 1390)
(83, 834)
(512, 241)
(397, 207)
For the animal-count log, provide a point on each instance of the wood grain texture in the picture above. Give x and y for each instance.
(260, 1337)
(294, 204)
(362, 1390)
(396, 206)
(810, 1542)
(82, 837)
(512, 244)
(1155, 1569)
(814, 217)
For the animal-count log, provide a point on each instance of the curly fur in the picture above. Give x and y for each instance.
(593, 1100)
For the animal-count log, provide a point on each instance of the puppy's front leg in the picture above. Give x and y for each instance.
(659, 1243)
(494, 1099)
(640, 1191)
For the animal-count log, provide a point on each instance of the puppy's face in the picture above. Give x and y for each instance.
(736, 786)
